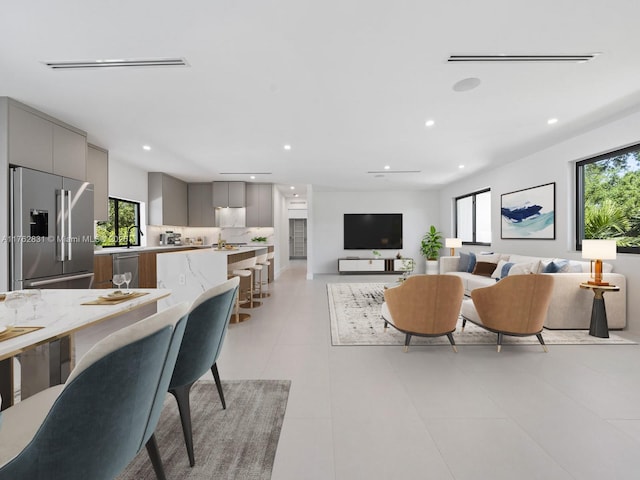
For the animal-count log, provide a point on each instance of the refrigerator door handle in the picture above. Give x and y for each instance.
(60, 230)
(40, 283)
(70, 233)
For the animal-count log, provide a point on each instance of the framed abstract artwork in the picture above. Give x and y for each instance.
(529, 213)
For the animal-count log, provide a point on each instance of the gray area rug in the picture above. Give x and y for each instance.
(356, 320)
(237, 443)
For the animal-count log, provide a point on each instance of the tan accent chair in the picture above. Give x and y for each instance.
(517, 305)
(425, 306)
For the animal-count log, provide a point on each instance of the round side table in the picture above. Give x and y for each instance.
(599, 326)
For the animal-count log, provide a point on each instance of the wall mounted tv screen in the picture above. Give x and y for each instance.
(375, 231)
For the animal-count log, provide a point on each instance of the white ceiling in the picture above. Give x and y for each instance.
(348, 84)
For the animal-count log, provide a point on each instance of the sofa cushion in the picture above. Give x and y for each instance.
(477, 281)
(525, 268)
(463, 263)
(484, 268)
(557, 265)
(472, 262)
(502, 269)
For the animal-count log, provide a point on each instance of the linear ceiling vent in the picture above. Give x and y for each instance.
(118, 63)
(394, 171)
(523, 58)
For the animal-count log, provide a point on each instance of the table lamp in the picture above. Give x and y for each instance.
(452, 243)
(596, 251)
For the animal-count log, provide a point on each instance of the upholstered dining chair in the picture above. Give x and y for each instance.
(425, 306)
(206, 328)
(94, 425)
(516, 305)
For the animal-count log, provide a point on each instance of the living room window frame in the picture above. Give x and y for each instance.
(122, 242)
(473, 196)
(580, 194)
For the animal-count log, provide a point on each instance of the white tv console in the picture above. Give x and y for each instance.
(370, 265)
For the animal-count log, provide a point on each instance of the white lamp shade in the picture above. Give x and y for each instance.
(599, 249)
(452, 242)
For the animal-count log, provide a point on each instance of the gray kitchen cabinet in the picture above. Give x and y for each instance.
(30, 140)
(69, 153)
(200, 205)
(168, 200)
(98, 174)
(229, 194)
(41, 142)
(259, 205)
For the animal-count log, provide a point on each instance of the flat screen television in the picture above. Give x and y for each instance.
(372, 231)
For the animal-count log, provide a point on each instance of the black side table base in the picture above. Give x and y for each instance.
(599, 326)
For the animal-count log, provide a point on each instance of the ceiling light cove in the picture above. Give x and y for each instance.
(117, 62)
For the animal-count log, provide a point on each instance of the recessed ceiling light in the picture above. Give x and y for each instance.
(551, 121)
(430, 123)
(466, 84)
(252, 177)
(292, 187)
(287, 147)
(295, 194)
(387, 167)
(146, 147)
(461, 166)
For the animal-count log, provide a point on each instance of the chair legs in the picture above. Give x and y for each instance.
(216, 377)
(182, 397)
(452, 342)
(407, 341)
(154, 456)
(541, 340)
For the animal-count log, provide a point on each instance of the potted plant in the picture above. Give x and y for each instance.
(430, 249)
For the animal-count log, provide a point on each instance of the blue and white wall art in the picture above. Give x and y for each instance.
(529, 213)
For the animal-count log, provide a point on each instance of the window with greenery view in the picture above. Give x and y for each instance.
(473, 218)
(608, 203)
(122, 215)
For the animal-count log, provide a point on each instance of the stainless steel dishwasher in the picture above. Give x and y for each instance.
(126, 262)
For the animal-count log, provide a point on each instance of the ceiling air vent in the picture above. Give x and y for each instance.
(523, 58)
(118, 63)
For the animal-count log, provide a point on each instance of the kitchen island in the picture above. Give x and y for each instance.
(188, 273)
(62, 315)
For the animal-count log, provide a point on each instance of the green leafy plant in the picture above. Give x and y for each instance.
(431, 244)
(259, 239)
(376, 253)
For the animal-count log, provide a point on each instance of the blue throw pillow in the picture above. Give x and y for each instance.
(556, 266)
(472, 262)
(505, 269)
(463, 263)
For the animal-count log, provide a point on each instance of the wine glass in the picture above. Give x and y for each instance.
(127, 279)
(35, 298)
(118, 279)
(14, 300)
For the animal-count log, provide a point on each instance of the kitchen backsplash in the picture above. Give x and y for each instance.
(209, 235)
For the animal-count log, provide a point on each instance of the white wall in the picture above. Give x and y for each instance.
(555, 164)
(281, 224)
(130, 183)
(419, 209)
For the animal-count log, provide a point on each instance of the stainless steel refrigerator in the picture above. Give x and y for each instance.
(51, 231)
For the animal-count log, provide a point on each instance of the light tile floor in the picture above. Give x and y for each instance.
(378, 413)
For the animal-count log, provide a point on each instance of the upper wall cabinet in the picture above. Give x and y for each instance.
(200, 207)
(98, 174)
(229, 194)
(43, 143)
(167, 200)
(259, 205)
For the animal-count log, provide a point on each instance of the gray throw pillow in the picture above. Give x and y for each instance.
(463, 263)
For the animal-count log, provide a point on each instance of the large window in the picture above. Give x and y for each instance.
(608, 203)
(123, 216)
(473, 218)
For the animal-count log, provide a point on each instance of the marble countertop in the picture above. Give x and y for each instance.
(62, 312)
(169, 248)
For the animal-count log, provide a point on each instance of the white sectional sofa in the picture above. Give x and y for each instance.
(570, 306)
